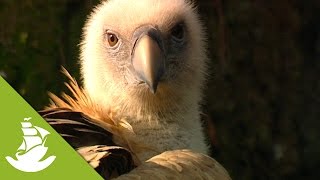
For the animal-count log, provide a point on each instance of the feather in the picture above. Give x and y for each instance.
(178, 164)
(79, 101)
(92, 142)
(109, 161)
(76, 128)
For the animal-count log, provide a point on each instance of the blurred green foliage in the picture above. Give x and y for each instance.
(263, 95)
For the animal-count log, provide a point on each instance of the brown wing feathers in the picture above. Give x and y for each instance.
(76, 128)
(90, 131)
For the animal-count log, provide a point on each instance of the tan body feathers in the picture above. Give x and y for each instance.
(178, 165)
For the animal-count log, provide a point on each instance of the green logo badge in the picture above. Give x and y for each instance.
(30, 148)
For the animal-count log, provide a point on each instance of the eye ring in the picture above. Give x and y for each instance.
(112, 39)
(178, 32)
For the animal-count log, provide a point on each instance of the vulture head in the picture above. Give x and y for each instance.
(149, 51)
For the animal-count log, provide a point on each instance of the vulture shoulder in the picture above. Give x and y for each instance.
(178, 164)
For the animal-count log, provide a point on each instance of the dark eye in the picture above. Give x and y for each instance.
(178, 32)
(112, 39)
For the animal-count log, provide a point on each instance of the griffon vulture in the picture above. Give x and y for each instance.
(143, 65)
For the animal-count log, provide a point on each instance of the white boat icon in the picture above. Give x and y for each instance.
(32, 149)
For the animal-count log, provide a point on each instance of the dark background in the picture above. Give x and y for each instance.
(263, 97)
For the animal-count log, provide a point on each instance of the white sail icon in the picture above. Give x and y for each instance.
(32, 149)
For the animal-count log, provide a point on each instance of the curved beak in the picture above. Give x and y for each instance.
(148, 58)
